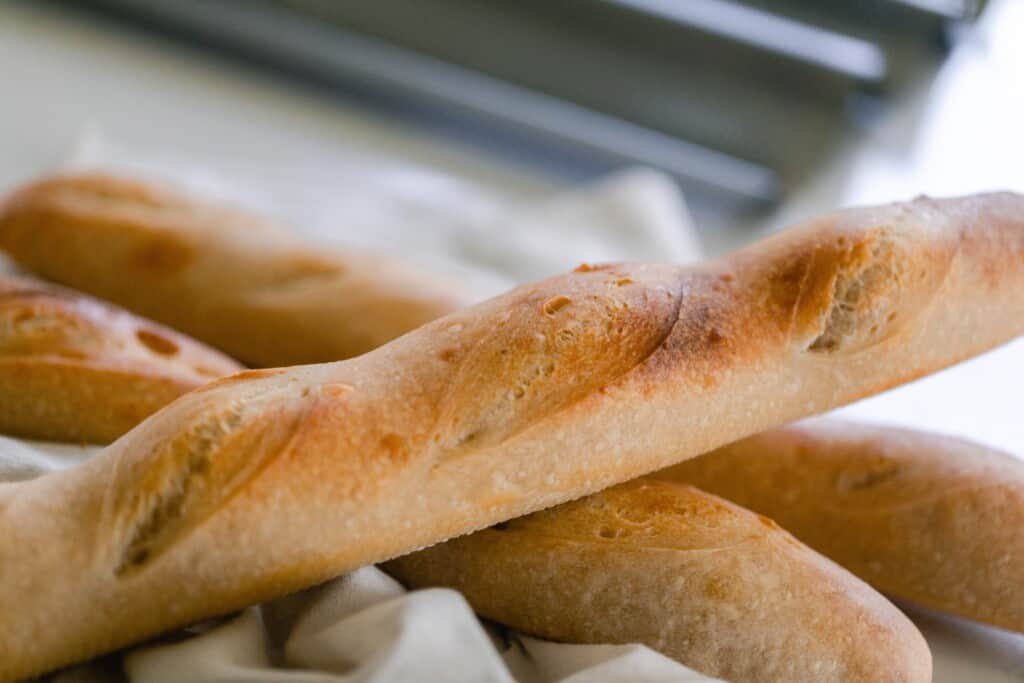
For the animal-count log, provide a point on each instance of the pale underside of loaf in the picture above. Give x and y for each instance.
(270, 481)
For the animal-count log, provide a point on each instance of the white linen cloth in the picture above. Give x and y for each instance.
(364, 627)
(443, 223)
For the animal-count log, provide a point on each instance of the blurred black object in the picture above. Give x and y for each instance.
(738, 100)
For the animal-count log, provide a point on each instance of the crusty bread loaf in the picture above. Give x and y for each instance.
(718, 588)
(268, 481)
(226, 277)
(926, 518)
(74, 369)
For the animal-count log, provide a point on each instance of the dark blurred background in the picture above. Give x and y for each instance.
(746, 103)
(738, 100)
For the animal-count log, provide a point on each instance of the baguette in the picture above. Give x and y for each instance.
(74, 369)
(272, 480)
(228, 278)
(925, 518)
(716, 587)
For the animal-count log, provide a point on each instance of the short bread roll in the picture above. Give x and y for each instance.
(226, 277)
(931, 519)
(74, 369)
(718, 588)
(270, 481)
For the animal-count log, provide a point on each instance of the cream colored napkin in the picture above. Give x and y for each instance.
(492, 240)
(364, 627)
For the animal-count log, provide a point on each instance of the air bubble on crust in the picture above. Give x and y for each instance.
(555, 304)
(156, 343)
(866, 475)
(610, 532)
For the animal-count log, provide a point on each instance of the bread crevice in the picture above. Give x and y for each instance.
(865, 296)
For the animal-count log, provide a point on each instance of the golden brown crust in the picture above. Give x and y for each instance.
(374, 457)
(74, 369)
(226, 277)
(718, 588)
(926, 518)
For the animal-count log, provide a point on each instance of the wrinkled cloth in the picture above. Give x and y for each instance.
(364, 627)
(447, 224)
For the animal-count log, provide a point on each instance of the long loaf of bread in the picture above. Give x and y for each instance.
(930, 519)
(75, 369)
(272, 480)
(718, 588)
(226, 277)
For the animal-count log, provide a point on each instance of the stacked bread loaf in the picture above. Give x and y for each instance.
(928, 519)
(75, 369)
(221, 275)
(551, 392)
